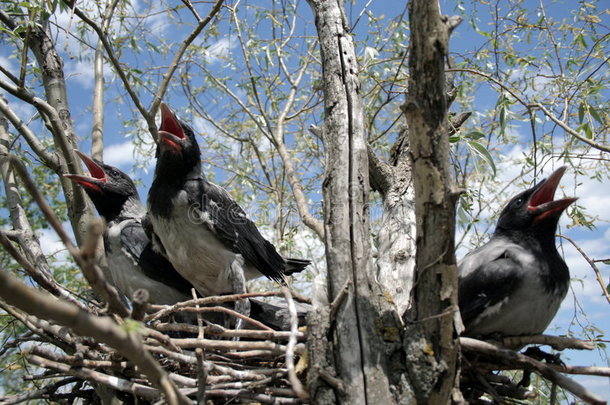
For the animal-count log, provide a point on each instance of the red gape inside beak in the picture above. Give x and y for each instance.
(546, 192)
(169, 140)
(98, 175)
(94, 169)
(169, 123)
(542, 202)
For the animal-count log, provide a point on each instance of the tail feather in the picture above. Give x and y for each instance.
(295, 266)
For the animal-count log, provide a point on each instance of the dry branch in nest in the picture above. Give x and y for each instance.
(141, 360)
(481, 360)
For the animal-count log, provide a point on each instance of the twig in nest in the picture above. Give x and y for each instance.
(92, 375)
(262, 398)
(556, 342)
(520, 361)
(217, 330)
(202, 372)
(292, 341)
(165, 310)
(163, 339)
(41, 393)
(331, 380)
(43, 305)
(228, 345)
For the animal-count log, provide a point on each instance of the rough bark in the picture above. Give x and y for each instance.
(361, 325)
(432, 344)
(27, 239)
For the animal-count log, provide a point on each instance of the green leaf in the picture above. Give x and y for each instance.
(581, 113)
(483, 153)
(475, 135)
(580, 39)
(588, 132)
(595, 114)
(502, 119)
(606, 262)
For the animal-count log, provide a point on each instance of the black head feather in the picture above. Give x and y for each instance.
(108, 187)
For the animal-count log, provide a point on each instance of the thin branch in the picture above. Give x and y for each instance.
(50, 159)
(113, 382)
(160, 93)
(43, 305)
(111, 56)
(40, 393)
(41, 278)
(165, 310)
(520, 361)
(569, 130)
(294, 325)
(539, 106)
(556, 342)
(598, 274)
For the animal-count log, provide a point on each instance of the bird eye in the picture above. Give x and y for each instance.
(519, 202)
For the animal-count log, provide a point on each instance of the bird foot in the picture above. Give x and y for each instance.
(525, 380)
(538, 354)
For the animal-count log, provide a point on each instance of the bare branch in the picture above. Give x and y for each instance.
(556, 342)
(50, 159)
(598, 274)
(97, 129)
(294, 325)
(175, 62)
(520, 361)
(43, 305)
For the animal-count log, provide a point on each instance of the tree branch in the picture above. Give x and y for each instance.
(43, 305)
(520, 361)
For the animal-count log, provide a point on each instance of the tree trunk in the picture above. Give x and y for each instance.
(361, 326)
(432, 340)
(396, 238)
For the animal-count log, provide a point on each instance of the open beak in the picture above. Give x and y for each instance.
(95, 179)
(542, 203)
(170, 132)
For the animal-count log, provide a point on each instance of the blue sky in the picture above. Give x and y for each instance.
(584, 304)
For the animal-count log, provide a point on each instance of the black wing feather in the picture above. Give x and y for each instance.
(486, 286)
(136, 242)
(234, 229)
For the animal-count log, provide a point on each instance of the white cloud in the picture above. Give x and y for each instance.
(220, 49)
(203, 127)
(8, 64)
(120, 154)
(81, 71)
(51, 244)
